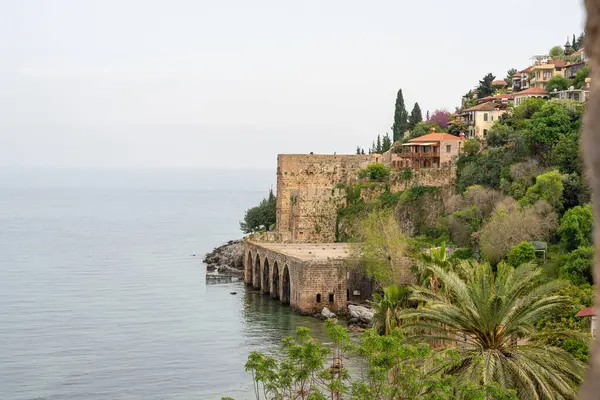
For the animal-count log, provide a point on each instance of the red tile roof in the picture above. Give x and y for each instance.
(528, 69)
(434, 137)
(499, 82)
(531, 91)
(586, 312)
(557, 63)
(489, 106)
(517, 74)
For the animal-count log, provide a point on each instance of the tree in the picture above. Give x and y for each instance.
(556, 51)
(386, 143)
(558, 83)
(261, 217)
(415, 116)
(512, 225)
(400, 118)
(375, 172)
(509, 76)
(357, 150)
(580, 40)
(440, 117)
(387, 306)
(485, 313)
(384, 247)
(362, 151)
(406, 176)
(553, 120)
(427, 116)
(548, 187)
(577, 266)
(576, 226)
(471, 147)
(378, 146)
(520, 254)
(574, 46)
(485, 87)
(579, 80)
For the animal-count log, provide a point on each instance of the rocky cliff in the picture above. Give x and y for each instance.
(226, 259)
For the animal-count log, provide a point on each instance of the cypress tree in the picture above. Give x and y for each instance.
(386, 143)
(574, 44)
(378, 148)
(400, 118)
(427, 117)
(357, 149)
(362, 152)
(415, 116)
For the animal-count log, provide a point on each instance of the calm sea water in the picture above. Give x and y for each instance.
(102, 298)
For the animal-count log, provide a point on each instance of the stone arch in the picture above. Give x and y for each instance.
(286, 286)
(266, 287)
(275, 287)
(248, 268)
(256, 274)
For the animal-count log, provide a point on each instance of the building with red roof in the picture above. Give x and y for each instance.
(592, 313)
(519, 97)
(433, 150)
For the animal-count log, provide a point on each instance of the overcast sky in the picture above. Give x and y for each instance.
(231, 83)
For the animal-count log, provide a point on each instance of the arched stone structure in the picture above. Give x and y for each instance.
(248, 269)
(286, 286)
(266, 277)
(256, 278)
(275, 288)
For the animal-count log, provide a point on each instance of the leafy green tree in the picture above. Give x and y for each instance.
(415, 116)
(548, 125)
(576, 191)
(261, 217)
(576, 226)
(384, 247)
(578, 266)
(509, 76)
(579, 80)
(375, 172)
(423, 128)
(485, 87)
(548, 187)
(566, 154)
(387, 306)
(485, 313)
(386, 143)
(559, 83)
(556, 51)
(471, 147)
(520, 254)
(400, 118)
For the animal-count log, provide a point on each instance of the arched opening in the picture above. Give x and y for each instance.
(275, 288)
(256, 274)
(286, 286)
(248, 268)
(266, 288)
(318, 297)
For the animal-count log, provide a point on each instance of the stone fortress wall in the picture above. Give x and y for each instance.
(310, 191)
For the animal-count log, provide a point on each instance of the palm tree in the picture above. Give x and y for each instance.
(388, 306)
(490, 319)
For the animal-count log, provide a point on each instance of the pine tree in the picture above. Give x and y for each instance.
(386, 143)
(378, 148)
(400, 118)
(415, 116)
(509, 75)
(485, 87)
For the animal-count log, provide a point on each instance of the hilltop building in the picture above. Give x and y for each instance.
(481, 117)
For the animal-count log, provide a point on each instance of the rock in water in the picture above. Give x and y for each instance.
(228, 258)
(326, 313)
(362, 313)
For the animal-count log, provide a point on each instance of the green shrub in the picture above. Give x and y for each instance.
(522, 253)
(576, 227)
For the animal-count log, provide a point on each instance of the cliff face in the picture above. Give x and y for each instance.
(226, 259)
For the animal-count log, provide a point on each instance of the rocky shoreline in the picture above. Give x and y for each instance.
(226, 260)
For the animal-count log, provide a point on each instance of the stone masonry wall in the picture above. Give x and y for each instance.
(314, 213)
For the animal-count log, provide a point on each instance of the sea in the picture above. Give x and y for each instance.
(103, 294)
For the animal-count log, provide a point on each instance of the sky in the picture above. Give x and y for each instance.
(232, 83)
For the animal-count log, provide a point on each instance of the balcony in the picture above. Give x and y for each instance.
(420, 155)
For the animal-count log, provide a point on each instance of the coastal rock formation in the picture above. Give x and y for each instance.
(361, 313)
(227, 259)
(327, 314)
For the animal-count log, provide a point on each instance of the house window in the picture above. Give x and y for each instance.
(485, 117)
(331, 297)
(484, 132)
(318, 297)
(448, 148)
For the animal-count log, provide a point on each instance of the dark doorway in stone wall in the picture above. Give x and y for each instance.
(266, 287)
(256, 274)
(285, 295)
(248, 268)
(275, 291)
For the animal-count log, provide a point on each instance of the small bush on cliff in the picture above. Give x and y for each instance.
(261, 217)
(375, 172)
